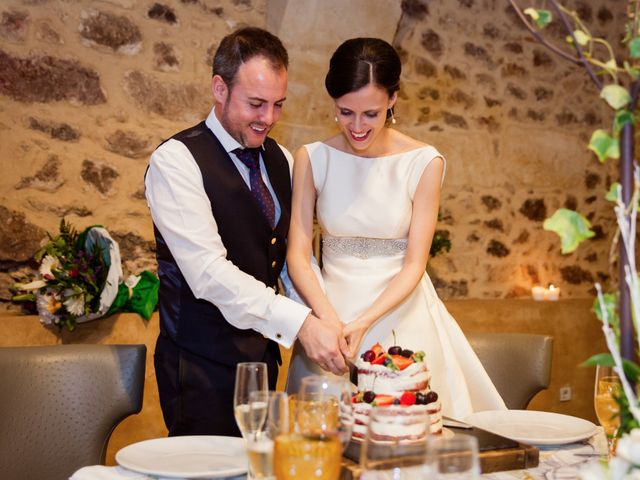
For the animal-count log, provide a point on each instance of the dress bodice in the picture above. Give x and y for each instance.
(366, 197)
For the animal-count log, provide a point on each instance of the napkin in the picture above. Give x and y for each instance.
(100, 472)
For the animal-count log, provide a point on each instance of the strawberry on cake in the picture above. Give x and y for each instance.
(397, 377)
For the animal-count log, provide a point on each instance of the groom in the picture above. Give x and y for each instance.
(220, 199)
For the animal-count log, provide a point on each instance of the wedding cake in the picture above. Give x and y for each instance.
(398, 377)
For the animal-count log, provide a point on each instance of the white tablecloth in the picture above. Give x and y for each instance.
(556, 463)
(559, 462)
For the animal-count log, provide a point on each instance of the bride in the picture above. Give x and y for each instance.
(376, 194)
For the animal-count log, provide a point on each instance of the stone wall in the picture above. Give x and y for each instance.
(88, 89)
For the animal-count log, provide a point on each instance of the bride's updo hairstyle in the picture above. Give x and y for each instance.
(361, 61)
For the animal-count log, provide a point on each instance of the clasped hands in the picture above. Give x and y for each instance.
(330, 343)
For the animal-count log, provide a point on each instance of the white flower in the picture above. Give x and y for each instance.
(594, 471)
(132, 281)
(629, 447)
(47, 305)
(74, 302)
(47, 265)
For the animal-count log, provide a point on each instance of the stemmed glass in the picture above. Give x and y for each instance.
(260, 445)
(455, 458)
(607, 387)
(250, 377)
(323, 422)
(395, 445)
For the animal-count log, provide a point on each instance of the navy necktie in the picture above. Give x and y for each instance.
(251, 158)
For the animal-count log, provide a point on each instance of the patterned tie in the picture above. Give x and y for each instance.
(250, 157)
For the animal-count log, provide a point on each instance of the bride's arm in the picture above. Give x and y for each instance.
(424, 216)
(299, 246)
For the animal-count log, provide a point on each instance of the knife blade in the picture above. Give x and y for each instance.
(453, 423)
(353, 371)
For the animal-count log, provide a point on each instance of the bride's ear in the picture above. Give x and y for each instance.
(392, 99)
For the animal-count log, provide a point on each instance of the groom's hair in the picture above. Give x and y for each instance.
(244, 44)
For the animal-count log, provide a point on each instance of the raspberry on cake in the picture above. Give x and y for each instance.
(398, 378)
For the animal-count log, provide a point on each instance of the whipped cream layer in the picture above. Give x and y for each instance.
(383, 380)
(402, 429)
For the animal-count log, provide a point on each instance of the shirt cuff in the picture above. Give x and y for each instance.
(286, 320)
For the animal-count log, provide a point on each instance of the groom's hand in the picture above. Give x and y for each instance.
(323, 342)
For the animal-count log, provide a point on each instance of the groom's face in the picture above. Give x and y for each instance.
(250, 107)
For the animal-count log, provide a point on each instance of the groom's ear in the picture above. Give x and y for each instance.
(219, 89)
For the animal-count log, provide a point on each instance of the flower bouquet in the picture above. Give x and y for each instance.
(80, 279)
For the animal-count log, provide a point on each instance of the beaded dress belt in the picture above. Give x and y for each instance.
(362, 247)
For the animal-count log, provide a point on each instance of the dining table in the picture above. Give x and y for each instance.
(557, 462)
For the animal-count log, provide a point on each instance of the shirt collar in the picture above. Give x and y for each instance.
(228, 142)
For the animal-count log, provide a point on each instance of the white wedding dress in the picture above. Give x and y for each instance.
(364, 209)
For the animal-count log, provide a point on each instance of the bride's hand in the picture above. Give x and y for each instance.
(354, 333)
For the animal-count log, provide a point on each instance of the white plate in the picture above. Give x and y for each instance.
(532, 427)
(186, 457)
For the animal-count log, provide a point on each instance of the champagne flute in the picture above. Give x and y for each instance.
(250, 377)
(323, 422)
(395, 445)
(607, 388)
(260, 446)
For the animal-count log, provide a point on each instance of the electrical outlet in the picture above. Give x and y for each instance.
(565, 393)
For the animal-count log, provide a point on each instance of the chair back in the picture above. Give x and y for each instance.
(519, 364)
(60, 404)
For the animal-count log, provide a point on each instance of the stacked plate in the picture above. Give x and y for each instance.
(534, 428)
(186, 457)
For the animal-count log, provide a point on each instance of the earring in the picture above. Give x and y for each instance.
(393, 119)
(335, 119)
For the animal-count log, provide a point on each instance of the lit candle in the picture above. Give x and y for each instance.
(553, 293)
(539, 293)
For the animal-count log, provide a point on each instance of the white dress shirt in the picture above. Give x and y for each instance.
(182, 213)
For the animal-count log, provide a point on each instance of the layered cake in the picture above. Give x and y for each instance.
(397, 378)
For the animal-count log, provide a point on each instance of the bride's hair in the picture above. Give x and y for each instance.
(361, 61)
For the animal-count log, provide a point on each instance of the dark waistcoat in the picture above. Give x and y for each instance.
(252, 245)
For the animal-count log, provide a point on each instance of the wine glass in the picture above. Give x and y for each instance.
(607, 388)
(260, 445)
(250, 377)
(323, 422)
(454, 457)
(395, 445)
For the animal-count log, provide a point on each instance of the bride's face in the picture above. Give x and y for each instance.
(362, 115)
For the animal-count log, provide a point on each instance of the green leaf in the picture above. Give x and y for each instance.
(604, 146)
(616, 96)
(622, 118)
(612, 194)
(631, 369)
(634, 47)
(540, 16)
(604, 359)
(582, 37)
(571, 227)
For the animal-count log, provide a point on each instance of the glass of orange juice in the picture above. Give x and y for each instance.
(323, 418)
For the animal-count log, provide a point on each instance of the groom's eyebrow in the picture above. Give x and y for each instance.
(264, 100)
